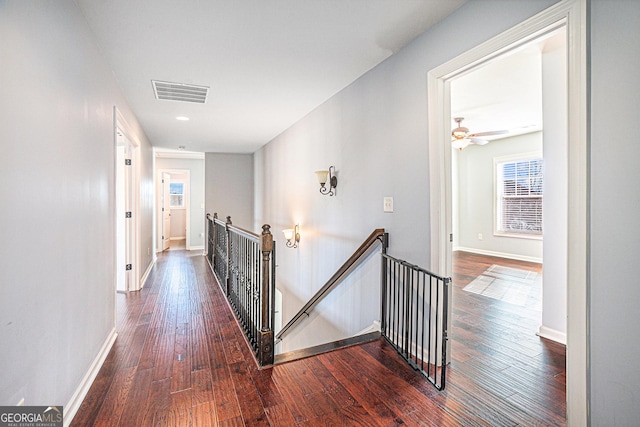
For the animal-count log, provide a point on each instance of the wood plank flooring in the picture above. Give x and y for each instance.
(181, 360)
(496, 354)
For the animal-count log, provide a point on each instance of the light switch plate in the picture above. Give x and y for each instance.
(388, 204)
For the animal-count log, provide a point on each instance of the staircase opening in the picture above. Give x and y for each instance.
(413, 300)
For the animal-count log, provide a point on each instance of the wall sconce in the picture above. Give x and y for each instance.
(293, 236)
(323, 176)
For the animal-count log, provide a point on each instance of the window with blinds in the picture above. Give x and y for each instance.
(519, 196)
(176, 194)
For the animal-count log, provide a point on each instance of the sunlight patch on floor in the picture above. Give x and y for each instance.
(511, 285)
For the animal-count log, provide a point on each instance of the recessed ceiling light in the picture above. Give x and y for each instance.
(182, 118)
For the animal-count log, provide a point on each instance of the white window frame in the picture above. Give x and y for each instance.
(497, 194)
(184, 191)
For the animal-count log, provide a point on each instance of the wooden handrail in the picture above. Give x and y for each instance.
(378, 234)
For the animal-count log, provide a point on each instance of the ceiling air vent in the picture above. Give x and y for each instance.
(180, 92)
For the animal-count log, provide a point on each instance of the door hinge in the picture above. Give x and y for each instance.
(127, 214)
(127, 162)
(451, 237)
(128, 267)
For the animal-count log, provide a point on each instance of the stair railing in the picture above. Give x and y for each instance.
(414, 316)
(377, 235)
(244, 264)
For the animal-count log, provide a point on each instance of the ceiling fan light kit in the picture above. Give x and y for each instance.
(462, 137)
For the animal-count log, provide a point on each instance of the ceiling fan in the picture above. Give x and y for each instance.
(462, 137)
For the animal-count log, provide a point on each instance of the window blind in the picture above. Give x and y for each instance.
(520, 188)
(176, 194)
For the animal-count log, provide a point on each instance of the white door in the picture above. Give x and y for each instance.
(125, 230)
(129, 227)
(166, 211)
(120, 220)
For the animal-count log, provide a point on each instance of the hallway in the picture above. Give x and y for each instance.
(181, 360)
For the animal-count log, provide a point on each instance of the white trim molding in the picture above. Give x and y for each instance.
(571, 14)
(144, 277)
(169, 154)
(78, 396)
(499, 254)
(374, 327)
(552, 334)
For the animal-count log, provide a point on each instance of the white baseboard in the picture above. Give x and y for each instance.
(374, 327)
(144, 277)
(552, 334)
(78, 396)
(196, 248)
(499, 254)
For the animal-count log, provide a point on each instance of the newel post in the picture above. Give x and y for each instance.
(228, 260)
(214, 237)
(384, 240)
(266, 353)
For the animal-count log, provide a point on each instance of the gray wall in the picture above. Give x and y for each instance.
(229, 188)
(196, 196)
(615, 197)
(57, 263)
(476, 198)
(375, 133)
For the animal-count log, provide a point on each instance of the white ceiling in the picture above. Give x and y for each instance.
(505, 94)
(267, 63)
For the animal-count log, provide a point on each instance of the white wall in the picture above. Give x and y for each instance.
(476, 199)
(57, 293)
(614, 227)
(555, 201)
(195, 198)
(375, 133)
(229, 192)
(178, 223)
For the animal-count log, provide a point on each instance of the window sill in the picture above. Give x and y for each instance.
(519, 236)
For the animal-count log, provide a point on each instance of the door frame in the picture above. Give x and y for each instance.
(573, 15)
(132, 183)
(187, 204)
(165, 203)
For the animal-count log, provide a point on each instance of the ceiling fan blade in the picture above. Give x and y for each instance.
(490, 133)
(479, 141)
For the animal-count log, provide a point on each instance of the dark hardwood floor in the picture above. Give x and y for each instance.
(181, 360)
(496, 354)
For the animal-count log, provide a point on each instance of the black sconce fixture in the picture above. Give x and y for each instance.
(293, 236)
(323, 177)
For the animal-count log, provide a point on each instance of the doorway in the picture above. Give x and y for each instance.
(174, 210)
(570, 14)
(510, 184)
(498, 204)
